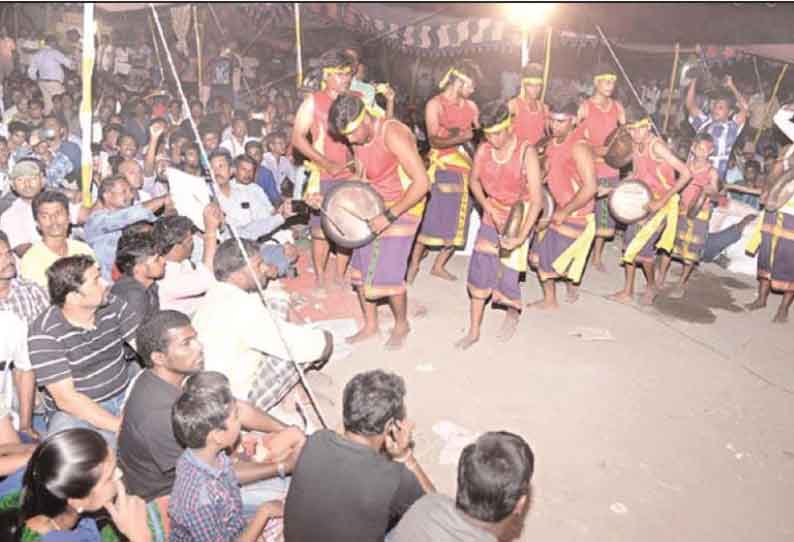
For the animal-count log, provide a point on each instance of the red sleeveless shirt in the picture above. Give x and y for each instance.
(504, 182)
(454, 116)
(529, 125)
(564, 180)
(653, 171)
(599, 124)
(700, 179)
(380, 164)
(322, 140)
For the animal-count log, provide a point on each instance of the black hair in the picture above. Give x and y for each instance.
(370, 400)
(493, 474)
(272, 136)
(36, 101)
(753, 164)
(127, 135)
(108, 184)
(17, 126)
(206, 381)
(113, 126)
(723, 95)
(4, 238)
(49, 196)
(532, 70)
(635, 113)
(67, 275)
(702, 137)
(253, 143)
(152, 335)
(208, 128)
(171, 230)
(221, 153)
(195, 415)
(133, 249)
(346, 108)
(245, 158)
(603, 68)
(228, 258)
(176, 135)
(334, 58)
(468, 68)
(493, 113)
(566, 107)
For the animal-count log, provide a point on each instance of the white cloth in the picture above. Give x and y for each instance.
(183, 286)
(48, 64)
(18, 224)
(13, 348)
(235, 147)
(248, 210)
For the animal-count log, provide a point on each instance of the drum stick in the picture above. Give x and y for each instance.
(331, 221)
(354, 214)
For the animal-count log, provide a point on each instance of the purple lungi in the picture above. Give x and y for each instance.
(648, 252)
(776, 253)
(550, 244)
(446, 220)
(379, 266)
(315, 220)
(691, 236)
(488, 276)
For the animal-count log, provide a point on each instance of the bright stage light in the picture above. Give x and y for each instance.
(529, 13)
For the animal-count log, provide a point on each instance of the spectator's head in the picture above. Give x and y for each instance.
(191, 154)
(206, 419)
(722, 102)
(337, 67)
(36, 109)
(210, 137)
(111, 134)
(27, 178)
(702, 146)
(176, 142)
(139, 257)
(18, 133)
(8, 265)
(71, 470)
(5, 153)
(115, 192)
(174, 237)
(196, 109)
(175, 109)
(50, 40)
(463, 76)
(277, 143)
(532, 81)
(221, 164)
(239, 128)
(75, 281)
(67, 102)
(494, 476)
(244, 168)
(133, 172)
(139, 108)
(51, 212)
(168, 343)
(497, 124)
(253, 149)
(229, 265)
(604, 80)
(638, 123)
(562, 117)
(23, 107)
(53, 129)
(372, 403)
(752, 169)
(206, 382)
(128, 147)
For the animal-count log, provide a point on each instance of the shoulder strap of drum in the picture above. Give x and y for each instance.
(524, 148)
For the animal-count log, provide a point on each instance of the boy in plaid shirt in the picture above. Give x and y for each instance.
(205, 504)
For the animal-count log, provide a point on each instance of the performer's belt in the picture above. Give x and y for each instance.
(666, 241)
(455, 159)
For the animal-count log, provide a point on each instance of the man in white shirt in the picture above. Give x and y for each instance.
(17, 222)
(46, 66)
(235, 141)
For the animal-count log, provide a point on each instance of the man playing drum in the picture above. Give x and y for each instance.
(560, 251)
(505, 171)
(328, 157)
(656, 166)
(451, 119)
(386, 152)
(598, 117)
(691, 233)
(530, 114)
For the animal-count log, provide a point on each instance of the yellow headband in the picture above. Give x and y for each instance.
(532, 81)
(450, 73)
(605, 77)
(355, 123)
(333, 70)
(642, 123)
(498, 127)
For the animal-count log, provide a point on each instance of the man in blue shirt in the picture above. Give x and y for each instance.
(55, 128)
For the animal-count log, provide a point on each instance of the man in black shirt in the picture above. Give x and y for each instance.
(139, 260)
(358, 485)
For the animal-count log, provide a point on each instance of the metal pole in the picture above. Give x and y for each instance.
(672, 85)
(547, 64)
(85, 106)
(298, 53)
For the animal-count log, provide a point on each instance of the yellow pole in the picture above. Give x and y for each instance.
(198, 51)
(769, 104)
(414, 76)
(85, 106)
(672, 85)
(299, 55)
(547, 64)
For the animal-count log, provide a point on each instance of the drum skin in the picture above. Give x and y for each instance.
(347, 206)
(628, 200)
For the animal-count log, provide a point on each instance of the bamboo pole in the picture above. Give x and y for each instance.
(414, 77)
(298, 53)
(199, 66)
(547, 64)
(157, 54)
(672, 85)
(769, 104)
(85, 106)
(524, 46)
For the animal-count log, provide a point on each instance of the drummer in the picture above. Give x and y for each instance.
(385, 150)
(506, 171)
(327, 158)
(656, 166)
(530, 114)
(560, 251)
(599, 115)
(451, 118)
(692, 233)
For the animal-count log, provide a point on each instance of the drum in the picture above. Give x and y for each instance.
(781, 193)
(549, 205)
(346, 210)
(628, 200)
(697, 205)
(515, 219)
(619, 148)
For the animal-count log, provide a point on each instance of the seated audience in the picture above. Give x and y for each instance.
(141, 265)
(27, 180)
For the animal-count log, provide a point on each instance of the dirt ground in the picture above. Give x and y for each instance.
(678, 429)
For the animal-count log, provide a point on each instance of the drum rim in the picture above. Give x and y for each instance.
(611, 197)
(330, 230)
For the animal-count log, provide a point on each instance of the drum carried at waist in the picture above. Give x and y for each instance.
(347, 208)
(628, 200)
(619, 148)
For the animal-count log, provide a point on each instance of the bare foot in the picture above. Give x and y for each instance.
(780, 317)
(677, 292)
(509, 327)
(320, 290)
(419, 311)
(412, 272)
(467, 342)
(600, 267)
(364, 334)
(621, 297)
(544, 305)
(755, 305)
(648, 296)
(572, 295)
(444, 274)
(397, 338)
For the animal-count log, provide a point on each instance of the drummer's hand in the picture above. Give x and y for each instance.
(600, 150)
(489, 209)
(335, 168)
(604, 191)
(510, 243)
(559, 217)
(213, 217)
(654, 205)
(378, 224)
(388, 93)
(315, 201)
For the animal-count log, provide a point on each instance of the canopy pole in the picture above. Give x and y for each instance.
(157, 54)
(298, 53)
(199, 62)
(546, 64)
(524, 46)
(769, 104)
(672, 85)
(414, 77)
(85, 106)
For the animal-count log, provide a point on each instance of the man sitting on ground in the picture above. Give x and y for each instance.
(27, 180)
(141, 265)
